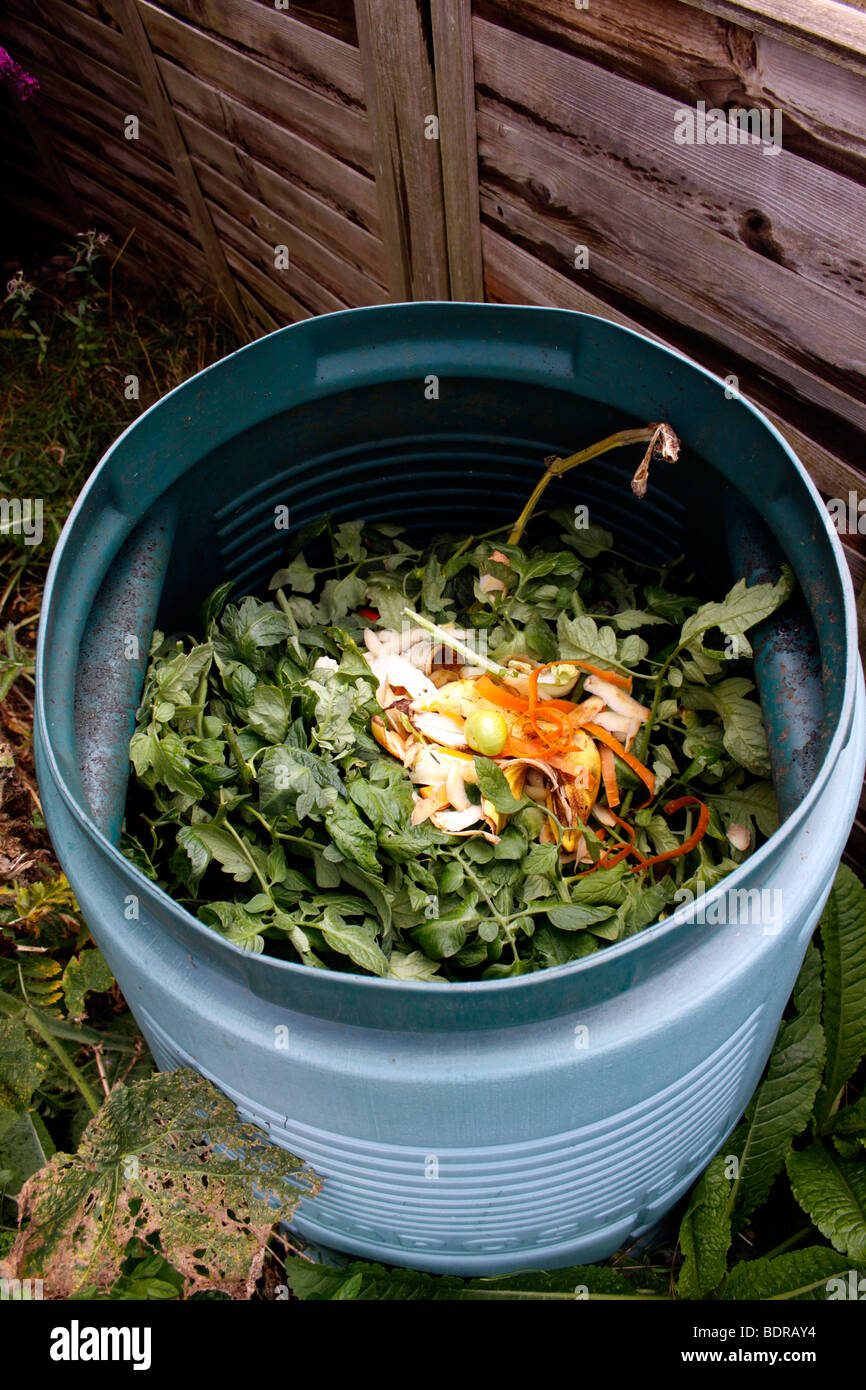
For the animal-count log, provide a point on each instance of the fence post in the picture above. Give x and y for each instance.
(401, 103)
(455, 91)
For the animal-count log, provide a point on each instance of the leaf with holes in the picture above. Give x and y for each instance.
(168, 1154)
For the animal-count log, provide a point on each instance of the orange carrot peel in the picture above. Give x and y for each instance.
(608, 774)
(629, 759)
(612, 856)
(694, 839)
(562, 739)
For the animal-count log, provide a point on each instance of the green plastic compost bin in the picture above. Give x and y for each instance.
(482, 1127)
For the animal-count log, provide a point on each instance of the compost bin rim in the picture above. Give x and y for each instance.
(678, 921)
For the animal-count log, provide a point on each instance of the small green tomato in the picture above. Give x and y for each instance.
(486, 732)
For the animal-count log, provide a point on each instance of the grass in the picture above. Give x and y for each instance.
(84, 349)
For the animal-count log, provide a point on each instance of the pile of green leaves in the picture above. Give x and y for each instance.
(264, 805)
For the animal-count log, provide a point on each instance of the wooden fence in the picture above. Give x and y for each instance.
(307, 157)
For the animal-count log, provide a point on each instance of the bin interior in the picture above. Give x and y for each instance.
(461, 452)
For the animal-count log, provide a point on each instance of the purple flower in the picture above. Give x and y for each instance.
(21, 82)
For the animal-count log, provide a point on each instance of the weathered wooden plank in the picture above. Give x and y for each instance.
(277, 39)
(57, 177)
(281, 307)
(675, 48)
(49, 56)
(455, 98)
(661, 43)
(289, 198)
(128, 13)
(768, 314)
(514, 276)
(339, 128)
(781, 207)
(25, 194)
(117, 207)
(98, 128)
(351, 193)
(335, 17)
(124, 190)
(348, 283)
(254, 307)
(401, 96)
(824, 99)
(104, 152)
(68, 22)
(829, 28)
(296, 281)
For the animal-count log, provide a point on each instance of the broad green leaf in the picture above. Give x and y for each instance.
(744, 606)
(389, 602)
(171, 766)
(296, 576)
(413, 965)
(705, 1233)
(373, 1283)
(352, 836)
(603, 886)
(236, 924)
(218, 844)
(742, 805)
(494, 787)
(168, 1155)
(589, 541)
(89, 971)
(672, 607)
(215, 602)
(630, 618)
(832, 1192)
(780, 1108)
(355, 941)
(744, 734)
(540, 639)
(340, 596)
(843, 938)
(251, 627)
(347, 541)
(553, 947)
(851, 1121)
(285, 773)
(441, 938)
(177, 678)
(575, 916)
(810, 1275)
(268, 714)
(581, 639)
